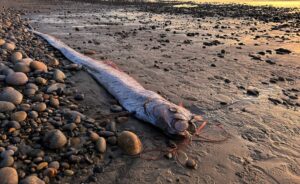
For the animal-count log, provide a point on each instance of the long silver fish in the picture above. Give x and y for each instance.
(146, 105)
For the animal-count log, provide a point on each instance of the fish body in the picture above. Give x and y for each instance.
(145, 104)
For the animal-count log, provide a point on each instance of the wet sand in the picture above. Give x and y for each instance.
(226, 69)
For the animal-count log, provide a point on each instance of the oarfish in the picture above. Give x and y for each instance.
(144, 104)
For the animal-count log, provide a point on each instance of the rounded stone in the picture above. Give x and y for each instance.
(19, 116)
(40, 107)
(101, 145)
(58, 75)
(54, 102)
(9, 46)
(40, 66)
(42, 165)
(26, 61)
(55, 139)
(2, 42)
(9, 94)
(54, 164)
(9, 175)
(191, 163)
(7, 161)
(6, 106)
(50, 172)
(130, 143)
(16, 79)
(94, 136)
(32, 180)
(21, 67)
(16, 56)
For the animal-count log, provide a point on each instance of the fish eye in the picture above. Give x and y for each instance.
(181, 125)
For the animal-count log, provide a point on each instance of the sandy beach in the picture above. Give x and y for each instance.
(237, 66)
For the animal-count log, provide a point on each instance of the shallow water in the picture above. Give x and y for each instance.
(284, 4)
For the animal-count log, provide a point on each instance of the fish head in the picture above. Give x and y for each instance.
(173, 119)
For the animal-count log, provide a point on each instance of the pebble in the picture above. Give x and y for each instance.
(32, 180)
(252, 91)
(39, 66)
(191, 163)
(19, 116)
(101, 145)
(16, 56)
(7, 161)
(21, 67)
(94, 136)
(116, 108)
(2, 42)
(9, 175)
(53, 62)
(58, 75)
(130, 143)
(6, 106)
(69, 172)
(54, 102)
(39, 107)
(55, 139)
(54, 164)
(16, 79)
(9, 46)
(9, 94)
(42, 165)
(50, 172)
(33, 114)
(41, 81)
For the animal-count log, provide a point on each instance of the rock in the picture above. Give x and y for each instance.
(101, 145)
(7, 161)
(33, 114)
(54, 102)
(54, 87)
(252, 91)
(41, 81)
(39, 107)
(26, 61)
(9, 94)
(21, 67)
(58, 75)
(130, 143)
(50, 172)
(9, 175)
(69, 172)
(32, 180)
(55, 139)
(53, 62)
(39, 66)
(116, 108)
(283, 51)
(19, 116)
(112, 140)
(94, 136)
(2, 42)
(16, 56)
(6, 106)
(190, 163)
(54, 164)
(9, 46)
(13, 124)
(42, 165)
(79, 97)
(16, 79)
